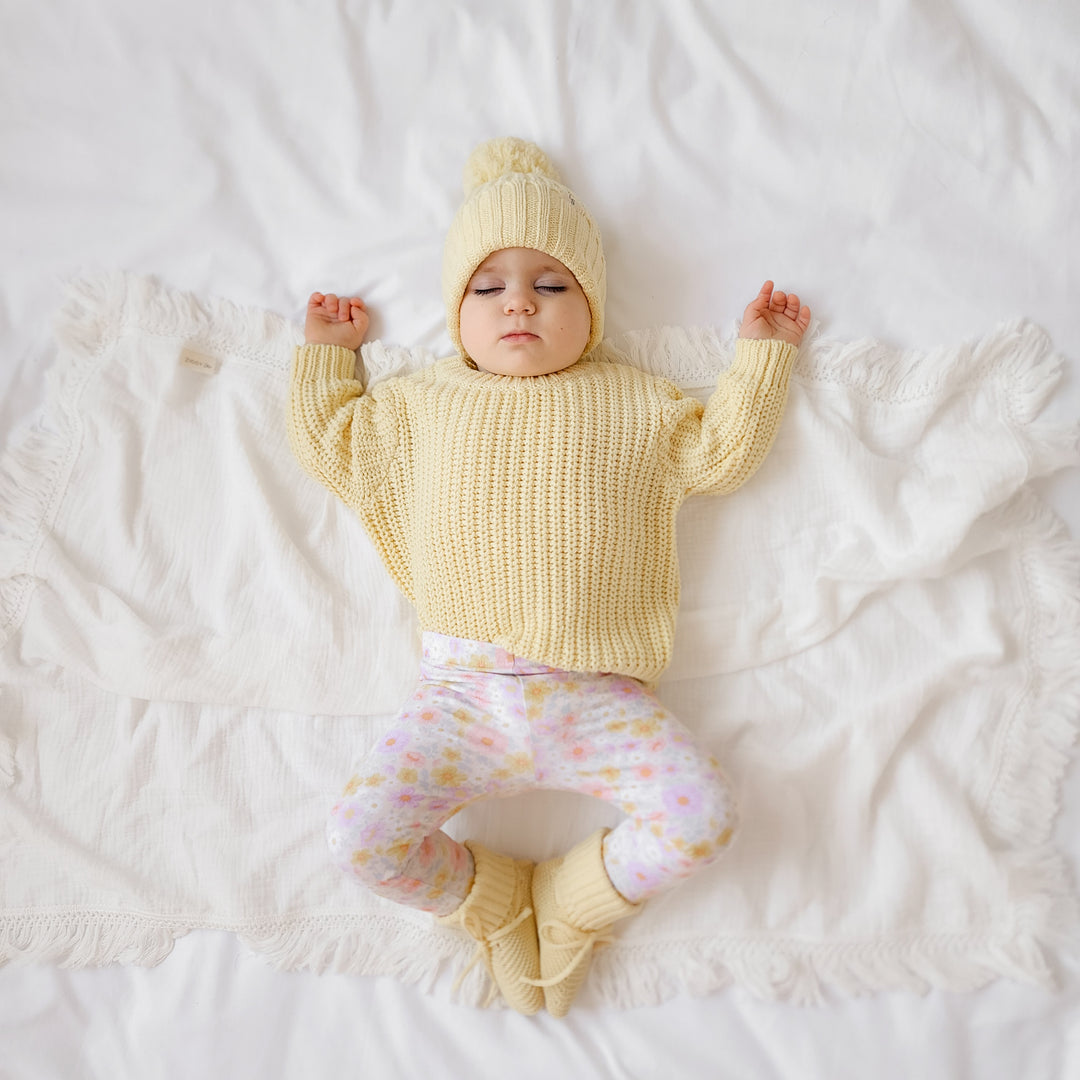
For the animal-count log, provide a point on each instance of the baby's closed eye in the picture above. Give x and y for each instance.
(490, 290)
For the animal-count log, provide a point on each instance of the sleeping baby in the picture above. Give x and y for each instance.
(523, 493)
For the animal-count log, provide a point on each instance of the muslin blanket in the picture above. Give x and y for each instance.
(879, 636)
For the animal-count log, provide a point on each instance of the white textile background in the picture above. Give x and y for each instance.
(909, 167)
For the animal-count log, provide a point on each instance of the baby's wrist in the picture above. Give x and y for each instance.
(327, 339)
(783, 339)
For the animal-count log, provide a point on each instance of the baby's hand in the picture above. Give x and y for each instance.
(775, 315)
(334, 321)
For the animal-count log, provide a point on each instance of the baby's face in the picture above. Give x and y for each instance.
(524, 314)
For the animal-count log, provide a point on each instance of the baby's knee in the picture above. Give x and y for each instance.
(725, 810)
(723, 825)
(706, 815)
(361, 845)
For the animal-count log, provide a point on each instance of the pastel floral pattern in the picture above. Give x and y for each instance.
(485, 723)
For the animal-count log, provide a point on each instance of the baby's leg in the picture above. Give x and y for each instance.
(607, 736)
(452, 743)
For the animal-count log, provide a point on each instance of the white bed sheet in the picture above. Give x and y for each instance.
(910, 169)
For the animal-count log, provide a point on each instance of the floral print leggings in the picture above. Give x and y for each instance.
(483, 722)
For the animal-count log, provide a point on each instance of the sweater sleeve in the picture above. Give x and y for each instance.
(343, 437)
(717, 446)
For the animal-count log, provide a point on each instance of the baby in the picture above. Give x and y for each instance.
(523, 494)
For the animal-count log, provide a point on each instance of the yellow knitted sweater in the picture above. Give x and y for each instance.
(536, 513)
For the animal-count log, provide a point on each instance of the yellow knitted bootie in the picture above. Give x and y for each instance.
(575, 903)
(498, 914)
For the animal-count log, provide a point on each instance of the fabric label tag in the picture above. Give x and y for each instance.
(199, 361)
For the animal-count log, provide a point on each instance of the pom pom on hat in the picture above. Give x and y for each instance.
(497, 157)
(514, 198)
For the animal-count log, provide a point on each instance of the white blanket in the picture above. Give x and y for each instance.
(878, 635)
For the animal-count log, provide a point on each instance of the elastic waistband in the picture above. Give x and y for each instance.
(470, 655)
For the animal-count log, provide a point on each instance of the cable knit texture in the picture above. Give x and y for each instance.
(536, 513)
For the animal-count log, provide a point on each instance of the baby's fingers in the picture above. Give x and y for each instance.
(797, 311)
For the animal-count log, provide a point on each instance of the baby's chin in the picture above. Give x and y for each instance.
(523, 365)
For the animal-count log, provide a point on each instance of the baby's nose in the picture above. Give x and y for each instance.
(518, 301)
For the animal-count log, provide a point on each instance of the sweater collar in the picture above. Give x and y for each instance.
(458, 371)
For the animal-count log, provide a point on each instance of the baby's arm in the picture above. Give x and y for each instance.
(341, 435)
(719, 445)
(335, 321)
(775, 316)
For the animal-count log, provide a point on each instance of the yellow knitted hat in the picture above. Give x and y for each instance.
(514, 198)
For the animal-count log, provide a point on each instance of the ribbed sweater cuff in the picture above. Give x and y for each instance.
(583, 889)
(320, 362)
(759, 359)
